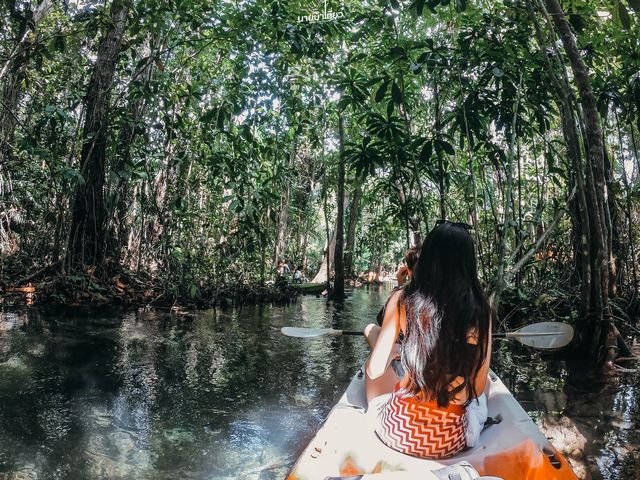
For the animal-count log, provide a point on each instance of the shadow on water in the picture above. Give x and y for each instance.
(121, 394)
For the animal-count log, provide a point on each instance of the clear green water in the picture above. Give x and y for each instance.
(146, 395)
(223, 395)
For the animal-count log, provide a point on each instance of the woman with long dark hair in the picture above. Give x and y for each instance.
(443, 323)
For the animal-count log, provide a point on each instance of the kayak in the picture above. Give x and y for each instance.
(310, 288)
(510, 447)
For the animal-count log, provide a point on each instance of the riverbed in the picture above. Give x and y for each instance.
(87, 394)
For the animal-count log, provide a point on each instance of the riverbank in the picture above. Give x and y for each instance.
(126, 288)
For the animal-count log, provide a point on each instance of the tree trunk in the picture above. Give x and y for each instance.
(604, 342)
(612, 218)
(498, 283)
(631, 251)
(442, 194)
(87, 238)
(283, 216)
(580, 219)
(324, 272)
(122, 196)
(414, 237)
(351, 229)
(338, 284)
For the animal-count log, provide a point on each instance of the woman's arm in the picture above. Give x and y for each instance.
(481, 378)
(381, 355)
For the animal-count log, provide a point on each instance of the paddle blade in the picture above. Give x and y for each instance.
(544, 335)
(300, 332)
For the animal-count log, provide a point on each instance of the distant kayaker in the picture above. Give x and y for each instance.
(283, 268)
(403, 276)
(298, 274)
(442, 321)
(405, 272)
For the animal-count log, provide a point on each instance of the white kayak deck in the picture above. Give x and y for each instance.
(347, 443)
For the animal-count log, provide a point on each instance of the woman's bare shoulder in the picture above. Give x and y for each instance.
(395, 298)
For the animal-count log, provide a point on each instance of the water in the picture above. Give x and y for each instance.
(223, 395)
(146, 395)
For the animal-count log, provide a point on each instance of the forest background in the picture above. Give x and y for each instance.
(163, 151)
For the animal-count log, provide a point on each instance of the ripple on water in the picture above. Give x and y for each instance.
(15, 365)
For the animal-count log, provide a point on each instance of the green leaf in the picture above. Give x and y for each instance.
(635, 5)
(344, 102)
(397, 52)
(69, 173)
(425, 153)
(382, 90)
(396, 93)
(390, 106)
(210, 115)
(432, 4)
(623, 15)
(558, 171)
(222, 114)
(235, 206)
(557, 182)
(60, 43)
(447, 147)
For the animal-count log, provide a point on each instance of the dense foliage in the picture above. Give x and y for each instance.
(199, 142)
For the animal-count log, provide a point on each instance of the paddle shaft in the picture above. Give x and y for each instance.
(494, 335)
(543, 335)
(519, 334)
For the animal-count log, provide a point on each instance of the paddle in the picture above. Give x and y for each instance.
(543, 335)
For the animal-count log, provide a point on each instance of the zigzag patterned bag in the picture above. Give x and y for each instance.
(421, 429)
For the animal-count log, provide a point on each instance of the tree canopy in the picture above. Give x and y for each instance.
(207, 141)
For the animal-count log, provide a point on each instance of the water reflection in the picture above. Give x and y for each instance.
(144, 395)
(224, 395)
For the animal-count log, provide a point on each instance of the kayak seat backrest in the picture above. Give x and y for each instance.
(492, 421)
(355, 394)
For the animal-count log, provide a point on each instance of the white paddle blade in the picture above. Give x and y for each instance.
(544, 335)
(300, 332)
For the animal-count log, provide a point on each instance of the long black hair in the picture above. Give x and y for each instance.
(444, 304)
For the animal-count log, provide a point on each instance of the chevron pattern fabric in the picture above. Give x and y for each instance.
(421, 429)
